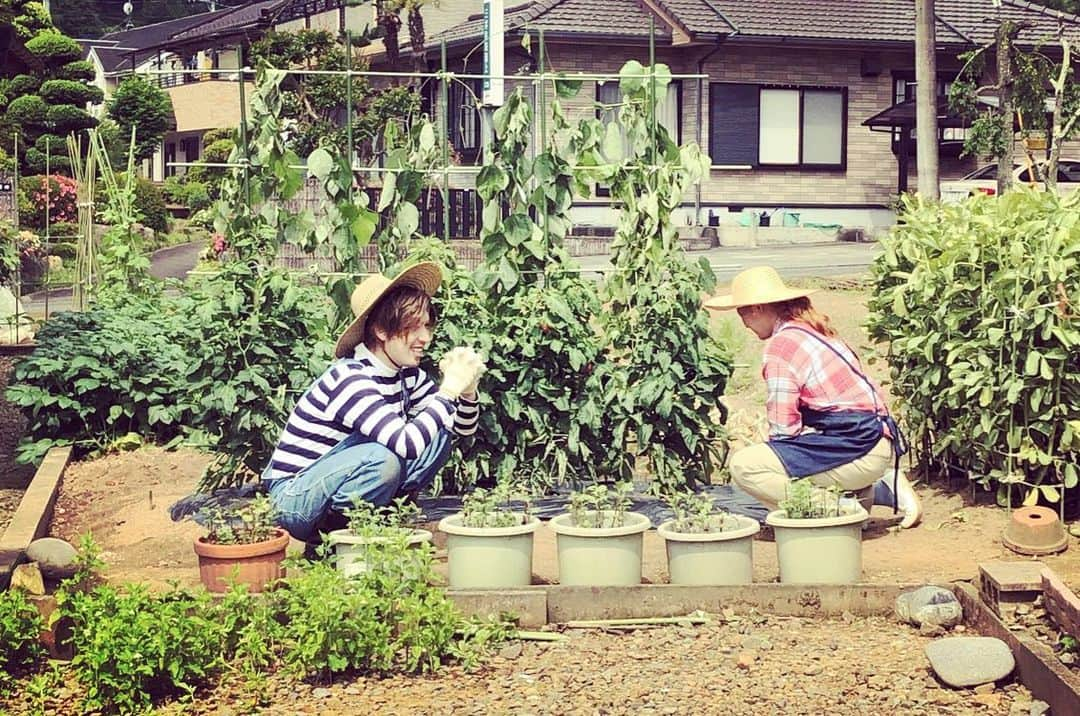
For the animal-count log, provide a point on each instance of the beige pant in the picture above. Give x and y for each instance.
(757, 470)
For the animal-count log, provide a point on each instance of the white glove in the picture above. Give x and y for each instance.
(461, 368)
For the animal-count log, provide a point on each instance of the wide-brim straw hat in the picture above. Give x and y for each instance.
(425, 276)
(755, 286)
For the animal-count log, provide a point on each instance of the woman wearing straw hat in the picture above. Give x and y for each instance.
(374, 426)
(827, 419)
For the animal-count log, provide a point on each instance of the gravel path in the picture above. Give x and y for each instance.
(736, 664)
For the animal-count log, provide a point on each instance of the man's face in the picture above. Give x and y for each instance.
(407, 348)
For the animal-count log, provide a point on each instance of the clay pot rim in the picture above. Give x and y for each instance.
(242, 551)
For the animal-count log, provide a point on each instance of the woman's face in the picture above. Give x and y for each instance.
(759, 319)
(405, 349)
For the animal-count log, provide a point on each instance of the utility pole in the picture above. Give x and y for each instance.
(926, 101)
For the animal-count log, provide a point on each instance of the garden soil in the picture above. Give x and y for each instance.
(13, 477)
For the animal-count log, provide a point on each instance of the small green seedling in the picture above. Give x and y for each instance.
(696, 514)
(600, 505)
(369, 520)
(249, 523)
(807, 501)
(494, 508)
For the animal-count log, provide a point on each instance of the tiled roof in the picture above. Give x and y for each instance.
(959, 22)
(232, 20)
(607, 18)
(141, 38)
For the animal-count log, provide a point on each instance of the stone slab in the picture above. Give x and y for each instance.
(528, 605)
(1013, 576)
(34, 513)
(669, 600)
(963, 661)
(1038, 667)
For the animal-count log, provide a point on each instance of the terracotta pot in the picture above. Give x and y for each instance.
(255, 565)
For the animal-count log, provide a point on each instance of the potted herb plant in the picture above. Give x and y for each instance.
(243, 545)
(707, 546)
(599, 541)
(370, 529)
(818, 535)
(489, 544)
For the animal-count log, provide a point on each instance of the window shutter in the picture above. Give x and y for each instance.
(733, 123)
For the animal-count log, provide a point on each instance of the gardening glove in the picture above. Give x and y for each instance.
(481, 368)
(461, 368)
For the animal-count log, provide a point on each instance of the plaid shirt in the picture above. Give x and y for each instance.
(801, 371)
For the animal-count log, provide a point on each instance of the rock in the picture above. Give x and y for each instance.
(511, 650)
(812, 670)
(1038, 708)
(746, 660)
(931, 630)
(962, 661)
(985, 688)
(321, 693)
(27, 577)
(929, 605)
(55, 557)
(754, 643)
(1067, 658)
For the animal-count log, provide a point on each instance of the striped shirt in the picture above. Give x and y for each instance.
(800, 370)
(398, 409)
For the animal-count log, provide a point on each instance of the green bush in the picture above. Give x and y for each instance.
(143, 105)
(56, 144)
(54, 49)
(70, 92)
(35, 161)
(150, 202)
(23, 85)
(27, 110)
(68, 118)
(978, 303)
(133, 648)
(64, 250)
(192, 194)
(78, 70)
(20, 632)
(99, 375)
(63, 231)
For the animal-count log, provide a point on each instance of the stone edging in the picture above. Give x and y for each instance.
(1039, 668)
(1061, 603)
(32, 518)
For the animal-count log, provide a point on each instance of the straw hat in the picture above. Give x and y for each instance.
(425, 276)
(755, 286)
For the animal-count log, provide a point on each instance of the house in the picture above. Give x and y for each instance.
(214, 41)
(778, 92)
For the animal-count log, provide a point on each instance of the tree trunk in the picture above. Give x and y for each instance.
(926, 100)
(1005, 33)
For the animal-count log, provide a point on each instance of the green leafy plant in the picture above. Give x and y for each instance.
(141, 105)
(600, 505)
(20, 633)
(977, 303)
(367, 519)
(247, 523)
(696, 514)
(806, 501)
(494, 508)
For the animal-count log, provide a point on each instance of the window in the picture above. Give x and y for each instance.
(751, 125)
(463, 118)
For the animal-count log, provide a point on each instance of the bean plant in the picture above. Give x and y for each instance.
(696, 514)
(369, 520)
(600, 505)
(20, 627)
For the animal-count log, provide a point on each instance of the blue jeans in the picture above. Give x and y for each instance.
(355, 468)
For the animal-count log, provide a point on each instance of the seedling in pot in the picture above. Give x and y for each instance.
(600, 506)
(249, 523)
(696, 514)
(494, 508)
(369, 520)
(807, 501)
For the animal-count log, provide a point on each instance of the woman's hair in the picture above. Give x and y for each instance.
(398, 312)
(800, 309)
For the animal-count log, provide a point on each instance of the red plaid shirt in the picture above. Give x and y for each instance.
(800, 370)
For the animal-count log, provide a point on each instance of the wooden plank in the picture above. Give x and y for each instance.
(34, 514)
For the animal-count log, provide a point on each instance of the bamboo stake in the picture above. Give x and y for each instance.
(644, 621)
(539, 636)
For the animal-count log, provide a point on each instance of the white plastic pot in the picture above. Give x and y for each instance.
(600, 556)
(711, 558)
(489, 557)
(351, 550)
(823, 550)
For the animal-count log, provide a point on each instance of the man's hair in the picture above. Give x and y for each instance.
(398, 312)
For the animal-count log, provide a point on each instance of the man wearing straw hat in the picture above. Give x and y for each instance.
(827, 419)
(374, 426)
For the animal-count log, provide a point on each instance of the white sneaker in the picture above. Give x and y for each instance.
(906, 500)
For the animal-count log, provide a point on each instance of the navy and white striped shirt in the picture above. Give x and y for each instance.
(398, 409)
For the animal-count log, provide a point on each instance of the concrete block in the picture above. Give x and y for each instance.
(527, 605)
(1004, 584)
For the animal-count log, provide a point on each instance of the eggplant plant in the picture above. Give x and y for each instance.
(696, 514)
(807, 501)
(495, 508)
(600, 506)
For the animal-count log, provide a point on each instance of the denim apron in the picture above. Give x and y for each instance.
(841, 437)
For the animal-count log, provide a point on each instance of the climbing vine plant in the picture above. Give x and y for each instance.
(659, 383)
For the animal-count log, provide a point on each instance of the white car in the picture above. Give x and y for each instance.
(984, 180)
